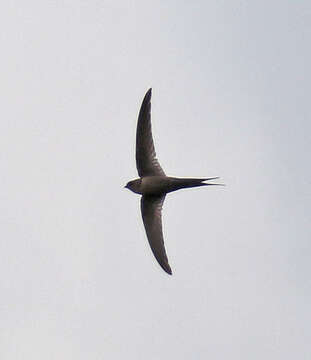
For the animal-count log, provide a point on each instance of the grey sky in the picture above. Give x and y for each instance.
(231, 97)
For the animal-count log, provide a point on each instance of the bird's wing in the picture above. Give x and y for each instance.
(151, 208)
(146, 161)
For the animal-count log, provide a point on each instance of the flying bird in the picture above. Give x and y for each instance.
(153, 184)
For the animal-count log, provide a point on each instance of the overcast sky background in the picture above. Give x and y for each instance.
(231, 97)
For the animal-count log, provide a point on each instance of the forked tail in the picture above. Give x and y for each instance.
(182, 183)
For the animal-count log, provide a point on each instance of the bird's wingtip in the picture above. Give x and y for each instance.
(147, 96)
(168, 270)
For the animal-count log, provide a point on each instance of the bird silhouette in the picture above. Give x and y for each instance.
(153, 184)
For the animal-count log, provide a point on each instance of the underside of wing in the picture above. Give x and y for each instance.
(151, 209)
(146, 161)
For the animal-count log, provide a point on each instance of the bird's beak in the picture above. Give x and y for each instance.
(213, 178)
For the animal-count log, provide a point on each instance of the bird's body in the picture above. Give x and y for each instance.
(153, 184)
(161, 185)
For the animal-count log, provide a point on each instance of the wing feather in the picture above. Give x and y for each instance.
(146, 161)
(151, 209)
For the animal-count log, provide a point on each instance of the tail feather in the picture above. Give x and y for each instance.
(181, 183)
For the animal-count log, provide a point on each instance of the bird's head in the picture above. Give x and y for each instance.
(134, 186)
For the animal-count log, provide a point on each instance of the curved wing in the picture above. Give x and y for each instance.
(151, 208)
(146, 161)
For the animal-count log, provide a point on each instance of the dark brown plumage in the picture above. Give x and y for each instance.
(153, 184)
